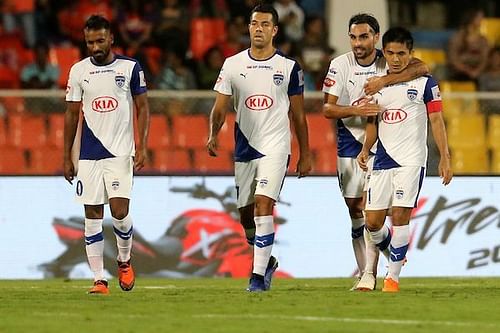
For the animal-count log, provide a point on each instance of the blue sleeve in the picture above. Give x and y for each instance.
(431, 91)
(137, 82)
(296, 85)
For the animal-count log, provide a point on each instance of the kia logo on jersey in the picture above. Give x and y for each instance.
(328, 82)
(393, 116)
(104, 104)
(258, 102)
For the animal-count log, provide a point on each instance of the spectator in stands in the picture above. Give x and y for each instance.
(314, 51)
(240, 9)
(209, 68)
(40, 74)
(173, 24)
(468, 49)
(17, 13)
(291, 18)
(135, 25)
(175, 75)
(490, 80)
(214, 8)
(235, 40)
(313, 7)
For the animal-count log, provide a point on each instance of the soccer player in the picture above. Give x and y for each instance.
(401, 157)
(106, 87)
(266, 86)
(351, 79)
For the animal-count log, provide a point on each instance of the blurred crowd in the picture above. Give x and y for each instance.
(182, 44)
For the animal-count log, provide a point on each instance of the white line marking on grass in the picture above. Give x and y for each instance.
(346, 320)
(170, 286)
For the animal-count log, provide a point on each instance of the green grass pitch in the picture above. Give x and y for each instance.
(222, 305)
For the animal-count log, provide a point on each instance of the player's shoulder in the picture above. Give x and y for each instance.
(119, 58)
(344, 61)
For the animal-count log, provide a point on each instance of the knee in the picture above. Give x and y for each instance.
(263, 205)
(119, 213)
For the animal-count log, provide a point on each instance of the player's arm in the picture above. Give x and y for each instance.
(439, 134)
(300, 127)
(370, 139)
(217, 119)
(141, 151)
(70, 125)
(416, 68)
(332, 110)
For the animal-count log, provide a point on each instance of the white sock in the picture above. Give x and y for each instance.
(382, 238)
(123, 230)
(264, 240)
(358, 243)
(399, 247)
(372, 254)
(94, 246)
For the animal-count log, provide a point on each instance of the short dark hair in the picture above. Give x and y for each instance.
(363, 18)
(266, 8)
(97, 22)
(398, 35)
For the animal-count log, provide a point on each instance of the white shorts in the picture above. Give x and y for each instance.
(262, 176)
(397, 187)
(103, 179)
(352, 179)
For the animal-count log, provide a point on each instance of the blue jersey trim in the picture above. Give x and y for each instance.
(135, 81)
(294, 86)
(428, 89)
(91, 147)
(382, 160)
(243, 152)
(347, 145)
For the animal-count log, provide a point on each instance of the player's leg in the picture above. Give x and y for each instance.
(351, 182)
(245, 187)
(407, 184)
(91, 193)
(378, 199)
(118, 184)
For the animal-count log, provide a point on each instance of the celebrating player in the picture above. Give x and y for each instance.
(401, 157)
(351, 79)
(107, 87)
(266, 85)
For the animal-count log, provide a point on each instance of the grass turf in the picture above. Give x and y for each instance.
(222, 305)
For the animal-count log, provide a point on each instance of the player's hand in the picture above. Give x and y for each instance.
(69, 170)
(304, 165)
(363, 160)
(368, 109)
(212, 146)
(445, 170)
(141, 155)
(373, 84)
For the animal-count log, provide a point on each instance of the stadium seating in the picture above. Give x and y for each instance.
(454, 106)
(171, 161)
(159, 132)
(64, 57)
(3, 132)
(27, 132)
(9, 78)
(205, 33)
(189, 131)
(467, 131)
(469, 160)
(226, 133)
(46, 161)
(495, 161)
(222, 164)
(13, 104)
(432, 57)
(55, 136)
(321, 134)
(325, 161)
(490, 28)
(13, 161)
(494, 131)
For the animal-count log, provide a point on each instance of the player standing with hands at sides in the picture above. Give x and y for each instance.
(107, 87)
(266, 86)
(401, 157)
(351, 80)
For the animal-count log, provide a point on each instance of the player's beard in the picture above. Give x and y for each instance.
(362, 52)
(100, 56)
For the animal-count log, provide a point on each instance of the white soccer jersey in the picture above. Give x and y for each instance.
(106, 94)
(346, 79)
(402, 126)
(261, 90)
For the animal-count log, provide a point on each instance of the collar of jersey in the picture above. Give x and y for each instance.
(109, 63)
(250, 56)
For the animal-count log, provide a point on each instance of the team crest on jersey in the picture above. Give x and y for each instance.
(399, 194)
(120, 80)
(278, 79)
(115, 185)
(412, 94)
(263, 182)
